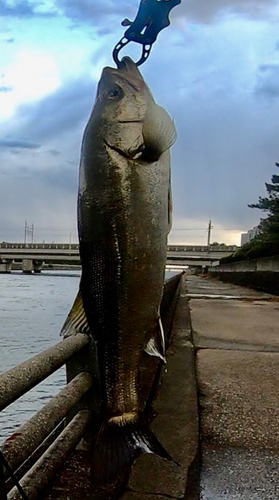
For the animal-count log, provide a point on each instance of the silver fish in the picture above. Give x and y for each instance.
(124, 217)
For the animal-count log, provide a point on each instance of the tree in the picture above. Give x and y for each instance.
(269, 226)
(266, 243)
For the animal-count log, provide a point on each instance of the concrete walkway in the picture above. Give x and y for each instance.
(236, 334)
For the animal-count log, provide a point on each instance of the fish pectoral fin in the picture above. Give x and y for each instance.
(116, 448)
(76, 321)
(156, 345)
(159, 132)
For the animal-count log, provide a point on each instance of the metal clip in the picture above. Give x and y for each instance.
(152, 17)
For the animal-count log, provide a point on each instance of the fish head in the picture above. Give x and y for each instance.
(121, 105)
(122, 94)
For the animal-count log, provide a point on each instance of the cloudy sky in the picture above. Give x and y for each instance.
(216, 71)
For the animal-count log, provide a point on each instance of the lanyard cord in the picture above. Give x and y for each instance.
(9, 470)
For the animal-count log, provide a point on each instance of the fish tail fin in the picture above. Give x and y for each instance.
(116, 448)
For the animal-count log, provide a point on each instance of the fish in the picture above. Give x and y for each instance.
(124, 218)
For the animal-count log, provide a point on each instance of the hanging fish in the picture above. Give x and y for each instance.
(124, 217)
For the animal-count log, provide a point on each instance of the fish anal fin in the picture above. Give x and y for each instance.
(76, 321)
(117, 446)
(156, 344)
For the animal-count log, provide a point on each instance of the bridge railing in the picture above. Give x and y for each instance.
(39, 246)
(75, 246)
(31, 456)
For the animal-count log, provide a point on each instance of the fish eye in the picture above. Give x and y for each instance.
(114, 93)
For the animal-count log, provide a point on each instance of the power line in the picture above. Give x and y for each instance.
(206, 228)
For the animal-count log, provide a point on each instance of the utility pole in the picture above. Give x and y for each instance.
(209, 233)
(28, 231)
(25, 231)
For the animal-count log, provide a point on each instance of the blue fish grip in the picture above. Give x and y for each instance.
(152, 17)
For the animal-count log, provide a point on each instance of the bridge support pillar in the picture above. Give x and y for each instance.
(6, 266)
(27, 266)
(37, 265)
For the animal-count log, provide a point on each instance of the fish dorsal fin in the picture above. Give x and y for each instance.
(76, 321)
(159, 131)
(156, 345)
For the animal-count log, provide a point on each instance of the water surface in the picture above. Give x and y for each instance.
(33, 309)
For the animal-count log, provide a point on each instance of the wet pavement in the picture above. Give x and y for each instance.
(236, 335)
(237, 474)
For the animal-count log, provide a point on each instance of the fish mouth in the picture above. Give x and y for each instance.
(127, 64)
(130, 121)
(127, 70)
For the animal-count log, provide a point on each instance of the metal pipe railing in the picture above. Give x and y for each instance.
(19, 446)
(3, 495)
(32, 439)
(17, 381)
(39, 476)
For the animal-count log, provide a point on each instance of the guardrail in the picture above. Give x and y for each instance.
(31, 456)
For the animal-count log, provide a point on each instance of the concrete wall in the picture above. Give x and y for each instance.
(260, 274)
(265, 264)
(268, 264)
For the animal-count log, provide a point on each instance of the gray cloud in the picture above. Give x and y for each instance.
(41, 184)
(91, 12)
(45, 196)
(227, 137)
(57, 114)
(206, 11)
(268, 81)
(202, 11)
(23, 9)
(54, 152)
(19, 143)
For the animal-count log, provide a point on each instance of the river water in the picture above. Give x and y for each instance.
(33, 309)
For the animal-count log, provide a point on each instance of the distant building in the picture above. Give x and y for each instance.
(250, 235)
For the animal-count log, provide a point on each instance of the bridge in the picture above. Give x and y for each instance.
(34, 255)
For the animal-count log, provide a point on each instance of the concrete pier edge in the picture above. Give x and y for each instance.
(177, 421)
